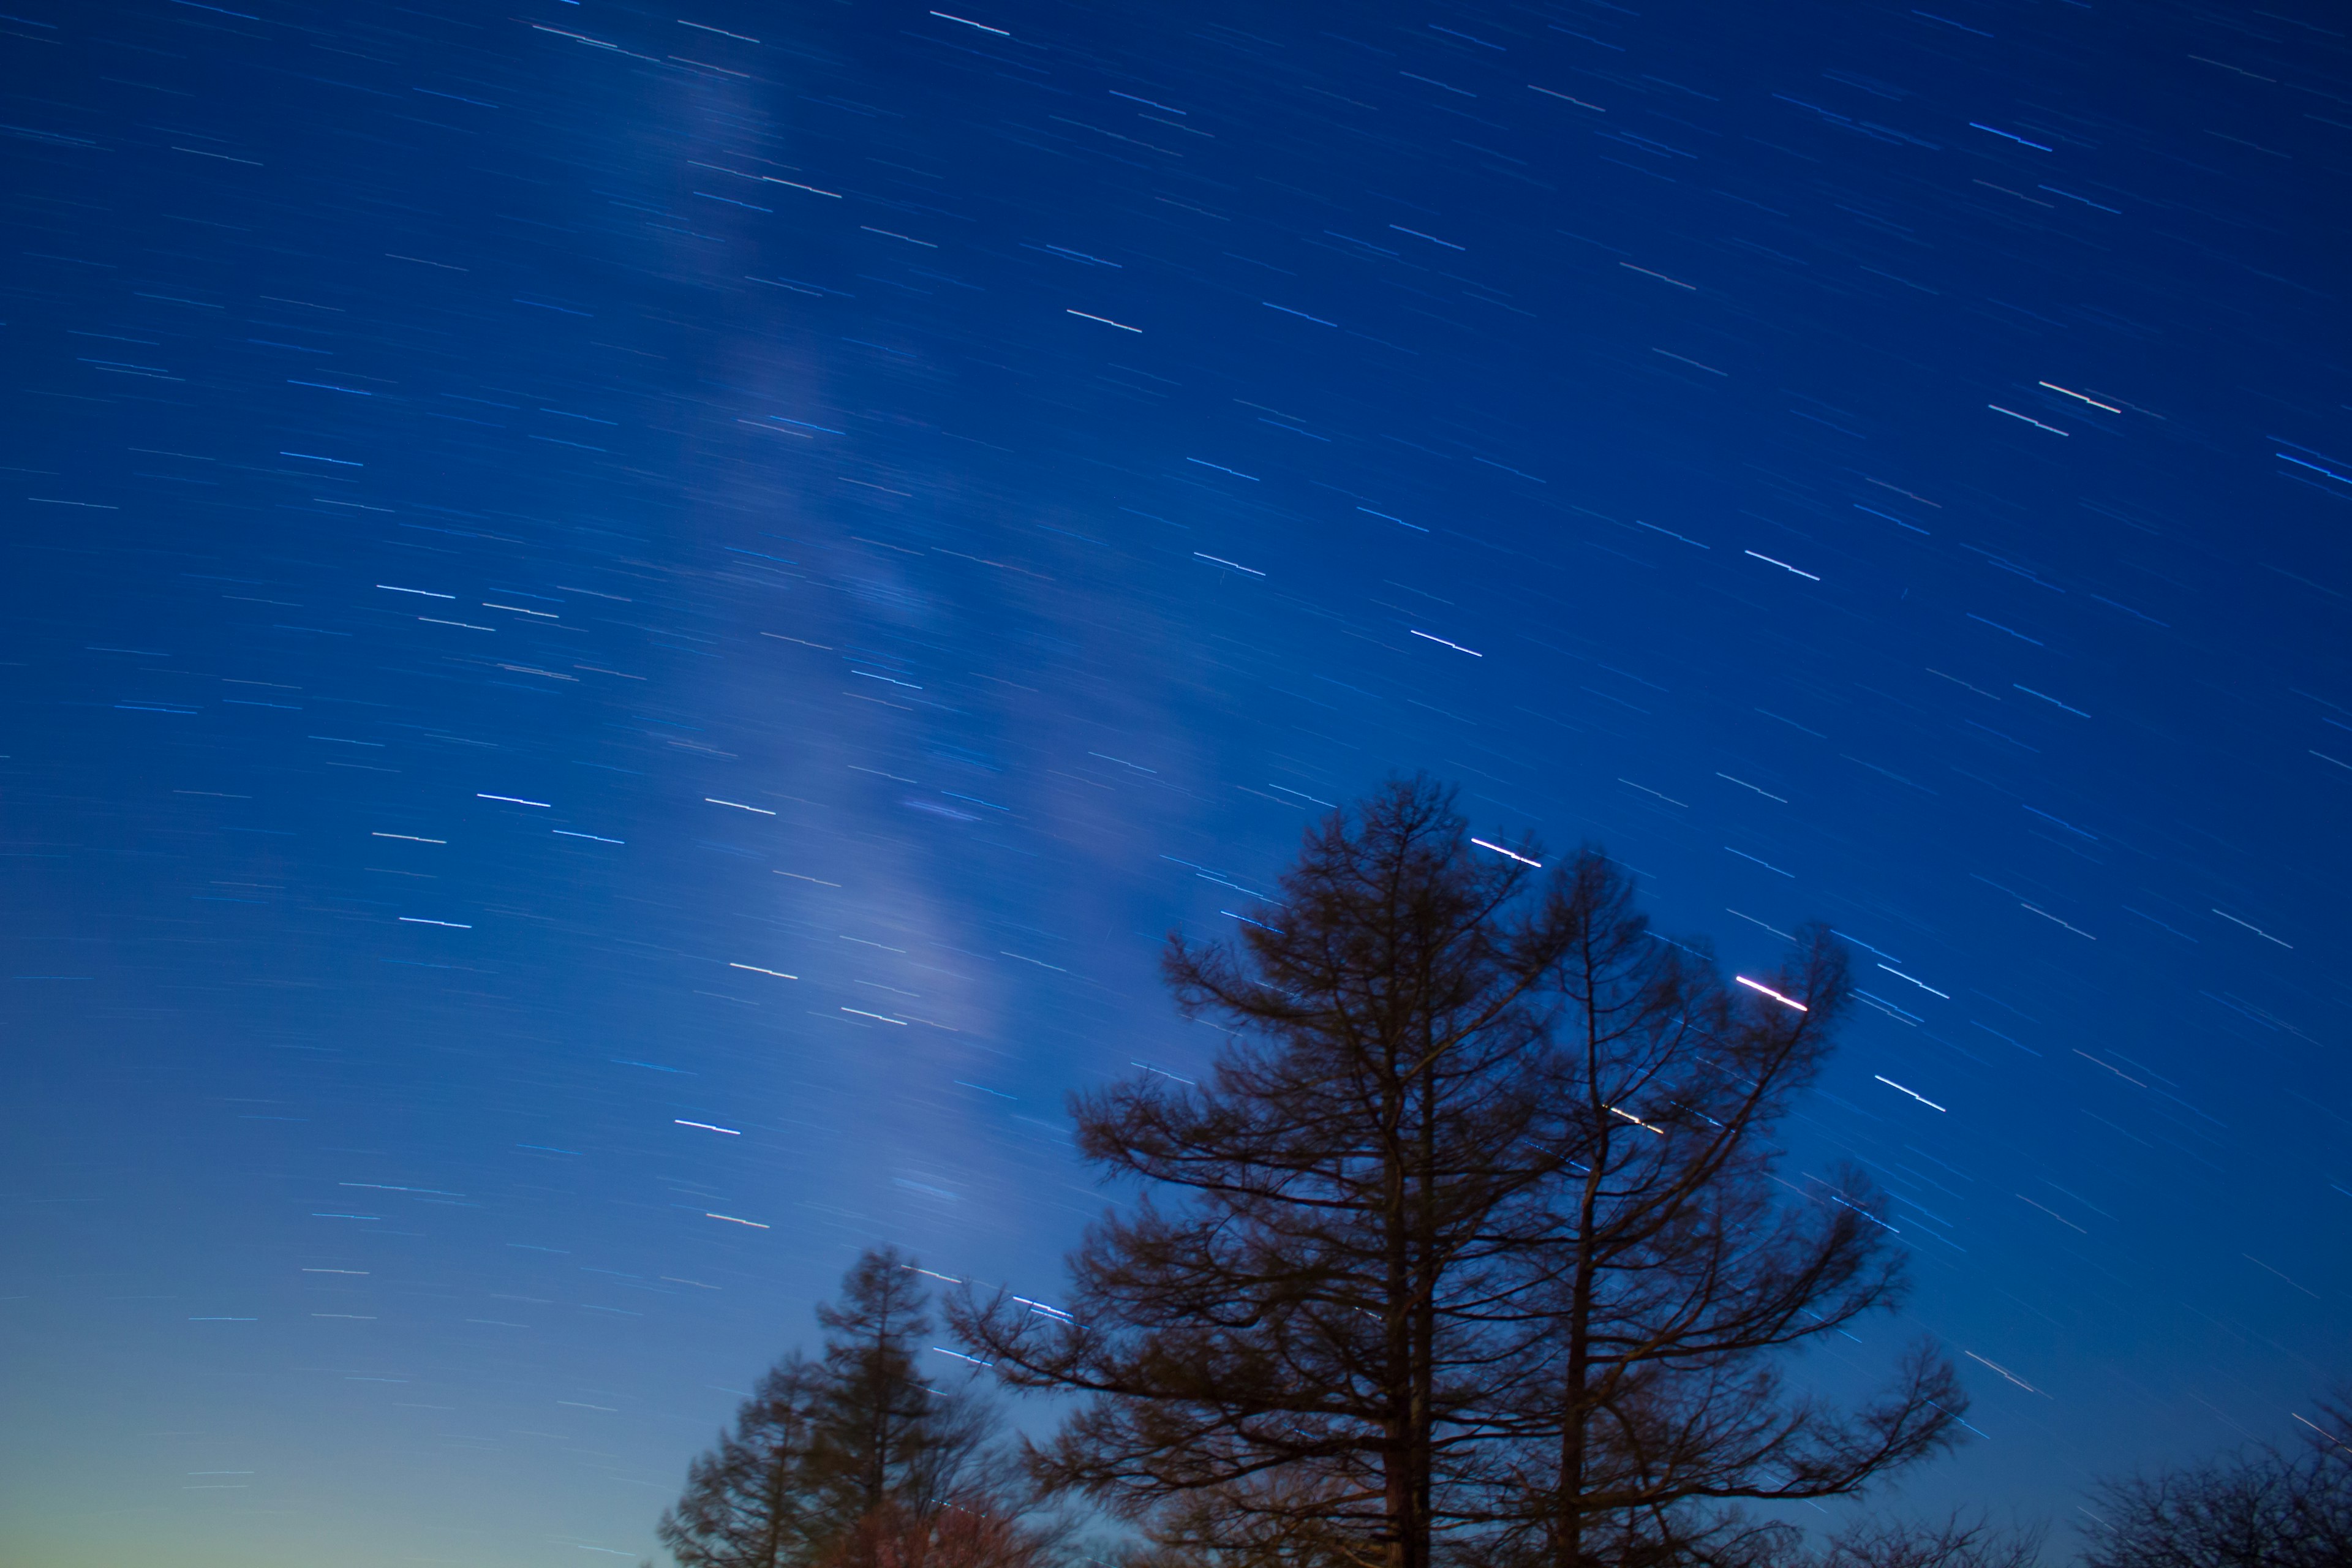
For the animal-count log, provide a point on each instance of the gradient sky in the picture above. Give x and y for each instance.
(527, 526)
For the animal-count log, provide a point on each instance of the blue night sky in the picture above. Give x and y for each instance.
(580, 571)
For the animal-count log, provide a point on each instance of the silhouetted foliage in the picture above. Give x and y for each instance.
(2269, 1508)
(977, 1527)
(879, 1433)
(1727, 1539)
(1958, 1543)
(1471, 1237)
(1672, 1273)
(750, 1502)
(855, 1461)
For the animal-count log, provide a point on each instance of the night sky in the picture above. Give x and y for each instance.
(625, 631)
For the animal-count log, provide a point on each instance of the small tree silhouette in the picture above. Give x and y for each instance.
(751, 1501)
(854, 1461)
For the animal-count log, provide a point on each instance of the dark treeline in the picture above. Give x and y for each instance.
(2263, 1507)
(858, 1460)
(1474, 1250)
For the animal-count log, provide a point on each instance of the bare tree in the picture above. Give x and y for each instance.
(881, 1434)
(855, 1461)
(1289, 1522)
(1297, 1350)
(1417, 1278)
(1731, 1539)
(976, 1527)
(1675, 1275)
(751, 1502)
(2269, 1508)
(1959, 1541)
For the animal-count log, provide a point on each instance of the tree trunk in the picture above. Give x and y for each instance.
(1568, 1532)
(1424, 1318)
(1397, 1464)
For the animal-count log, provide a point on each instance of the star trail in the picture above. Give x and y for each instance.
(627, 630)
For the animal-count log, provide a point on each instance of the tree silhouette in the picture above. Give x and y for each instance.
(2267, 1508)
(1400, 1273)
(1958, 1543)
(750, 1503)
(975, 1527)
(853, 1460)
(1673, 1275)
(880, 1432)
